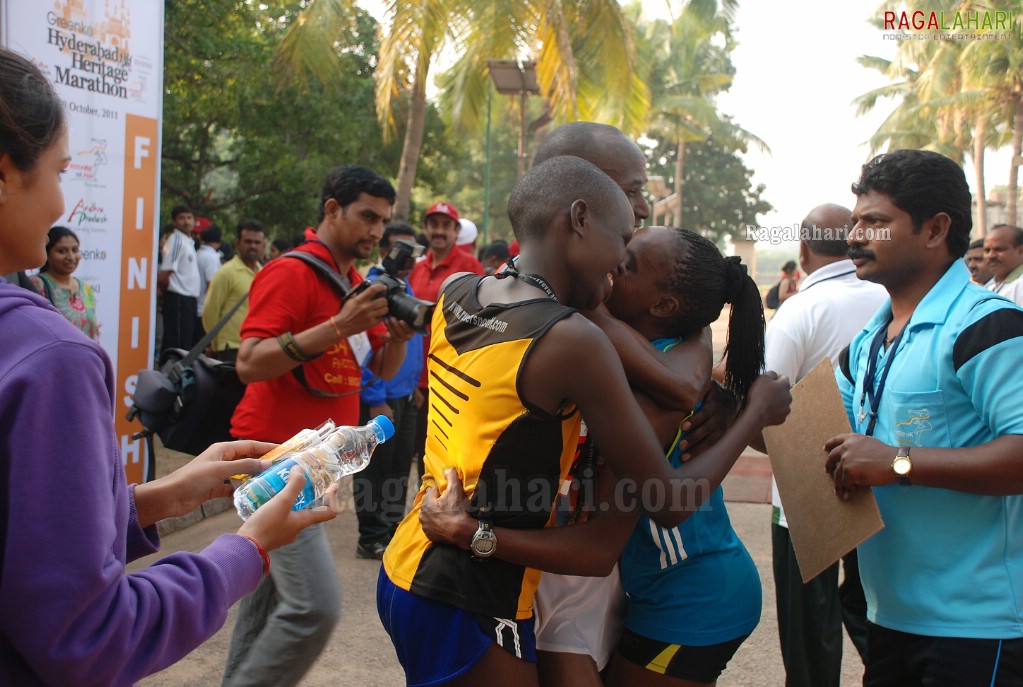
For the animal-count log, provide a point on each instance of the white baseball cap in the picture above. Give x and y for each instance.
(467, 234)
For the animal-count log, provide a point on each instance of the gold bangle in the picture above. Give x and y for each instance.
(337, 331)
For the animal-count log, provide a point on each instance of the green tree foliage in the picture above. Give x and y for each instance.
(247, 132)
(202, 75)
(290, 136)
(585, 61)
(240, 141)
(690, 64)
(723, 198)
(720, 198)
(467, 180)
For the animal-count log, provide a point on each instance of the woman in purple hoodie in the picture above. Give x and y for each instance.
(69, 614)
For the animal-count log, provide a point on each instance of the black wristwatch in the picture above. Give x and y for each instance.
(484, 542)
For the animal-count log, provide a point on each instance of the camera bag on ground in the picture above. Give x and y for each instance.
(189, 401)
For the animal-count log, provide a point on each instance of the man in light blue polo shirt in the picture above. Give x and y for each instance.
(933, 389)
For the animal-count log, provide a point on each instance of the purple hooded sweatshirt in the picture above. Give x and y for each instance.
(69, 615)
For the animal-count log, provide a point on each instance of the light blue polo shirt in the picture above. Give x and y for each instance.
(947, 563)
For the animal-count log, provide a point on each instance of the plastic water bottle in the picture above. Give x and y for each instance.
(342, 452)
(304, 439)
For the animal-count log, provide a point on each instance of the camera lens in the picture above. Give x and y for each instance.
(415, 312)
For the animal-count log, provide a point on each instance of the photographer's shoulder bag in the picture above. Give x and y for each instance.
(189, 401)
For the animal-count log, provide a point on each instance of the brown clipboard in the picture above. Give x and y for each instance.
(822, 527)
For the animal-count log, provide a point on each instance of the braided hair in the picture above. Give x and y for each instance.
(708, 281)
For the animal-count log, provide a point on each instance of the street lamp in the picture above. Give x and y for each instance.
(512, 77)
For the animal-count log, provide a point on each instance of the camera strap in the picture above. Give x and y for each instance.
(342, 286)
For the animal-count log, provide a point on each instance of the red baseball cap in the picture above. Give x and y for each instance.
(200, 224)
(442, 208)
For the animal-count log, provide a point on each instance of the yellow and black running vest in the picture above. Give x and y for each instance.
(511, 457)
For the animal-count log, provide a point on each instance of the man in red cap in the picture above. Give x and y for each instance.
(441, 261)
(201, 224)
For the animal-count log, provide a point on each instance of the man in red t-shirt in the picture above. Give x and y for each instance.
(302, 349)
(441, 226)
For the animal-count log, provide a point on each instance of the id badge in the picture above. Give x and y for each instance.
(361, 348)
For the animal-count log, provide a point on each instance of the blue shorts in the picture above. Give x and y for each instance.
(436, 642)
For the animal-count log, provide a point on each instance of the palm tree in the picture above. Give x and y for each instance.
(954, 97)
(994, 68)
(418, 31)
(690, 66)
(925, 76)
(584, 55)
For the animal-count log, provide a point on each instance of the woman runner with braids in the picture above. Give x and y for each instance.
(693, 590)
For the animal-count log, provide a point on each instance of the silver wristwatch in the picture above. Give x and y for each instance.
(484, 542)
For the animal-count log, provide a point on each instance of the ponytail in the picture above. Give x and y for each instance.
(709, 280)
(744, 348)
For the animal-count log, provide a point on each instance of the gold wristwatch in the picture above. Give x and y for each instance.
(902, 466)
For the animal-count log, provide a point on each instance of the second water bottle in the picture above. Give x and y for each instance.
(342, 452)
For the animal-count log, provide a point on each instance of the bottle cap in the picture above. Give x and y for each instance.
(383, 427)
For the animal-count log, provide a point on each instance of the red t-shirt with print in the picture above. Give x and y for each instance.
(288, 295)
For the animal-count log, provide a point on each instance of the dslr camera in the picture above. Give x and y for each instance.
(401, 257)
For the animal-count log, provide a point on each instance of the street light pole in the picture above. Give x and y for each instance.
(512, 77)
(486, 177)
(522, 133)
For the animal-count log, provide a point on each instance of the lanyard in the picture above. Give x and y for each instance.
(536, 280)
(868, 378)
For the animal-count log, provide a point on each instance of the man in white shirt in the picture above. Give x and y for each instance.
(1003, 250)
(208, 258)
(178, 282)
(818, 322)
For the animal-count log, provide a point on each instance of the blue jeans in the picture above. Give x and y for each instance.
(284, 624)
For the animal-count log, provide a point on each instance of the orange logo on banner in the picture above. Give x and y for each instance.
(141, 164)
(114, 30)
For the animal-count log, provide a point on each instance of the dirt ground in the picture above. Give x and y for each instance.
(360, 652)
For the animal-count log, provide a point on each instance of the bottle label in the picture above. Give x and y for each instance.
(268, 483)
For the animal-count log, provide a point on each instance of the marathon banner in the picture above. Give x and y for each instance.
(105, 59)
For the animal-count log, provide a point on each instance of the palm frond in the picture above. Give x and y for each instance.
(310, 46)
